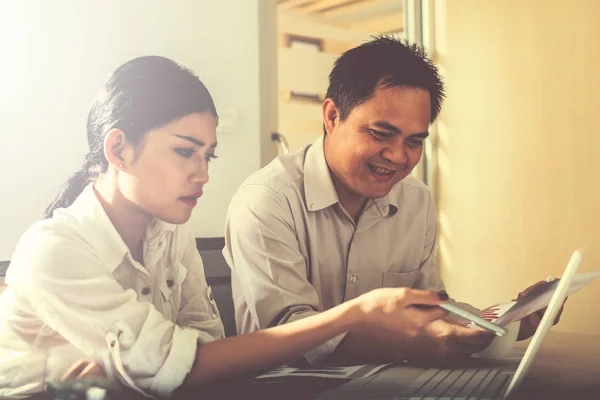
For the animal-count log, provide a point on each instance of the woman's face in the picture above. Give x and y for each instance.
(169, 167)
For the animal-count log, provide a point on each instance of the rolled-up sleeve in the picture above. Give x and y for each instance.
(263, 252)
(178, 363)
(70, 290)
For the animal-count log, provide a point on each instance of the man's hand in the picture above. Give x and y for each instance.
(530, 323)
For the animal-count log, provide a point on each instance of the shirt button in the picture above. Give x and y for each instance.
(146, 291)
(170, 282)
(353, 278)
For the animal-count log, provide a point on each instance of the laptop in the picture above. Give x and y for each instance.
(487, 382)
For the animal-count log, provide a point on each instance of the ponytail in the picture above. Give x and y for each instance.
(68, 192)
(74, 186)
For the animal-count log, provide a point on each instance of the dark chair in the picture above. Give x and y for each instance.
(3, 268)
(218, 277)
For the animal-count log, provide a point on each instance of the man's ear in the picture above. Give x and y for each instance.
(116, 149)
(330, 115)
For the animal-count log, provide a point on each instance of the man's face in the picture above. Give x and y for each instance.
(379, 143)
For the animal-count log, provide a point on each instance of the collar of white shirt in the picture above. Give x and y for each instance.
(320, 191)
(99, 231)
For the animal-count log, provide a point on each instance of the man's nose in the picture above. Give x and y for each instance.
(396, 154)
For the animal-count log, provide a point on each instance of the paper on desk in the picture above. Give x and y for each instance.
(504, 313)
(353, 372)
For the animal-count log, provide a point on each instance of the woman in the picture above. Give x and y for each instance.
(112, 274)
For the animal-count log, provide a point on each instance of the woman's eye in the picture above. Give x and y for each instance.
(187, 153)
(209, 157)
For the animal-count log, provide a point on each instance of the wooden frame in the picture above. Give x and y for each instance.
(290, 95)
(291, 38)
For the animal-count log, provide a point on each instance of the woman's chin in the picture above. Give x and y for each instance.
(176, 219)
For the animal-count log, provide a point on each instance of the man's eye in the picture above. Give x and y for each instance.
(414, 143)
(187, 153)
(380, 135)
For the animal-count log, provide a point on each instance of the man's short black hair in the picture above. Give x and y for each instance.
(386, 62)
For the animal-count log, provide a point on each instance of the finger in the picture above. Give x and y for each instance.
(473, 336)
(535, 285)
(540, 313)
(525, 330)
(422, 315)
(425, 297)
(469, 349)
(92, 369)
(75, 370)
(557, 319)
(533, 320)
(530, 288)
(433, 314)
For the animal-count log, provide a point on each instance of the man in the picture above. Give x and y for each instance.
(343, 216)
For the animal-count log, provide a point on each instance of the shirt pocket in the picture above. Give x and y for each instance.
(171, 286)
(400, 279)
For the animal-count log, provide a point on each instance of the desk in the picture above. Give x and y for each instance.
(567, 367)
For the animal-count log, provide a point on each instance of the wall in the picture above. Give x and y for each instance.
(517, 147)
(268, 65)
(55, 55)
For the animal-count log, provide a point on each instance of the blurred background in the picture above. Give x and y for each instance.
(512, 160)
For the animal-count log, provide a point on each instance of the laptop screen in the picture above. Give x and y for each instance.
(547, 321)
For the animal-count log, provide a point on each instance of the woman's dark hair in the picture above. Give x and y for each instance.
(382, 62)
(142, 94)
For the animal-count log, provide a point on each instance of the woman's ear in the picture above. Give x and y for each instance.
(330, 115)
(115, 149)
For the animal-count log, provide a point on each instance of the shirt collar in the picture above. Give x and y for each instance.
(320, 191)
(318, 186)
(388, 205)
(101, 234)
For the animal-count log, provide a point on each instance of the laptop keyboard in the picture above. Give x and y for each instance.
(455, 384)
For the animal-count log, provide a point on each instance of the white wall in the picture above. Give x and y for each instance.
(56, 54)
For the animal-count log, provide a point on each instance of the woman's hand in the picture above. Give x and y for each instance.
(83, 369)
(402, 310)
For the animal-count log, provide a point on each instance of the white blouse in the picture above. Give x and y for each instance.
(75, 292)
